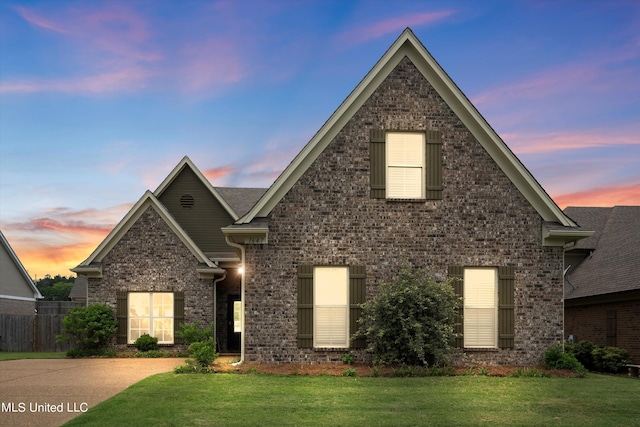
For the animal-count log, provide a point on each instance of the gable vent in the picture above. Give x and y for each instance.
(187, 201)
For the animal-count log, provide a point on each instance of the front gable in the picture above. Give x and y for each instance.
(93, 266)
(557, 228)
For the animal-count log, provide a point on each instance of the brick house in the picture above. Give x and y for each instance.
(602, 289)
(405, 170)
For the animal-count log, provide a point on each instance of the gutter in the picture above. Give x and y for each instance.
(242, 293)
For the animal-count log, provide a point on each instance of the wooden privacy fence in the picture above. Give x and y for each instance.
(36, 332)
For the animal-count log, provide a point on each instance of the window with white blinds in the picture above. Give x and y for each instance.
(480, 307)
(151, 313)
(405, 165)
(331, 307)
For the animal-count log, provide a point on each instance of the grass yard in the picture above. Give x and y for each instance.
(4, 355)
(258, 400)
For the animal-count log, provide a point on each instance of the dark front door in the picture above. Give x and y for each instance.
(234, 323)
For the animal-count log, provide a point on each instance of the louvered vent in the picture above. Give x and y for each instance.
(187, 201)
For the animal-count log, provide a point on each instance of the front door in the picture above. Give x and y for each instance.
(234, 323)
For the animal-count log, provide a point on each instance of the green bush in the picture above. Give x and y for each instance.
(583, 351)
(193, 332)
(610, 359)
(146, 342)
(190, 366)
(411, 321)
(203, 352)
(77, 353)
(89, 327)
(556, 358)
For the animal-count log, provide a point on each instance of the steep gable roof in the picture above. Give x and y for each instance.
(92, 266)
(613, 263)
(17, 273)
(407, 45)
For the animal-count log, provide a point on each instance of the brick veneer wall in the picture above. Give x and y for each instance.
(589, 322)
(327, 218)
(151, 258)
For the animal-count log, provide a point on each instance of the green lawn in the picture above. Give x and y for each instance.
(5, 355)
(246, 400)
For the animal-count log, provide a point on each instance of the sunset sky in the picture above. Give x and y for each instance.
(99, 100)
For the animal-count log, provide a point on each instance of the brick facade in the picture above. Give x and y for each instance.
(589, 322)
(328, 218)
(151, 258)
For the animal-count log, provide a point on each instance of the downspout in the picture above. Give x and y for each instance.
(215, 306)
(242, 258)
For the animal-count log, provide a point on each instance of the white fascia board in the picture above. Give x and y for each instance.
(552, 237)
(186, 161)
(408, 45)
(21, 298)
(148, 199)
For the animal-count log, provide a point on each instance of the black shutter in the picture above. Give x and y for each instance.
(121, 316)
(377, 168)
(506, 312)
(457, 274)
(434, 165)
(611, 328)
(305, 306)
(357, 296)
(178, 315)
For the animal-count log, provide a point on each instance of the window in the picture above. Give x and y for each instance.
(480, 307)
(151, 313)
(329, 300)
(486, 318)
(331, 306)
(405, 165)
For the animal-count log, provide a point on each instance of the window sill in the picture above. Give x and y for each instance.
(406, 200)
(481, 349)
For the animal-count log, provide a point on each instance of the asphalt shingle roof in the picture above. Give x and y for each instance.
(614, 263)
(241, 200)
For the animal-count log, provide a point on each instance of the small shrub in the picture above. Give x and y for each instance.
(528, 373)
(375, 371)
(190, 366)
(203, 352)
(153, 354)
(193, 332)
(351, 372)
(583, 351)
(556, 358)
(79, 353)
(89, 327)
(146, 342)
(610, 359)
(347, 359)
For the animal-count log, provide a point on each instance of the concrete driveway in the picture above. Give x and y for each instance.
(50, 392)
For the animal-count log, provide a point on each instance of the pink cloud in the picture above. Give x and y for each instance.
(396, 24)
(40, 21)
(217, 174)
(530, 143)
(628, 195)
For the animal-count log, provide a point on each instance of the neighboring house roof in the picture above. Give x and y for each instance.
(612, 266)
(558, 227)
(92, 266)
(15, 282)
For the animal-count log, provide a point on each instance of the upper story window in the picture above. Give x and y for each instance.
(405, 165)
(405, 155)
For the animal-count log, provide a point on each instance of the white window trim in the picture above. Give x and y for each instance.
(150, 317)
(467, 283)
(340, 307)
(421, 164)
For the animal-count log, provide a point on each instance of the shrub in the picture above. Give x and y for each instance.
(193, 332)
(582, 351)
(610, 359)
(77, 353)
(146, 342)
(351, 372)
(89, 327)
(191, 367)
(347, 359)
(203, 352)
(556, 358)
(411, 321)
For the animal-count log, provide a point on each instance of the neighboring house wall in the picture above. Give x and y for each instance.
(612, 324)
(151, 258)
(328, 218)
(18, 293)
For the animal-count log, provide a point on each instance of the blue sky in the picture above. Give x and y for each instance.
(99, 100)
